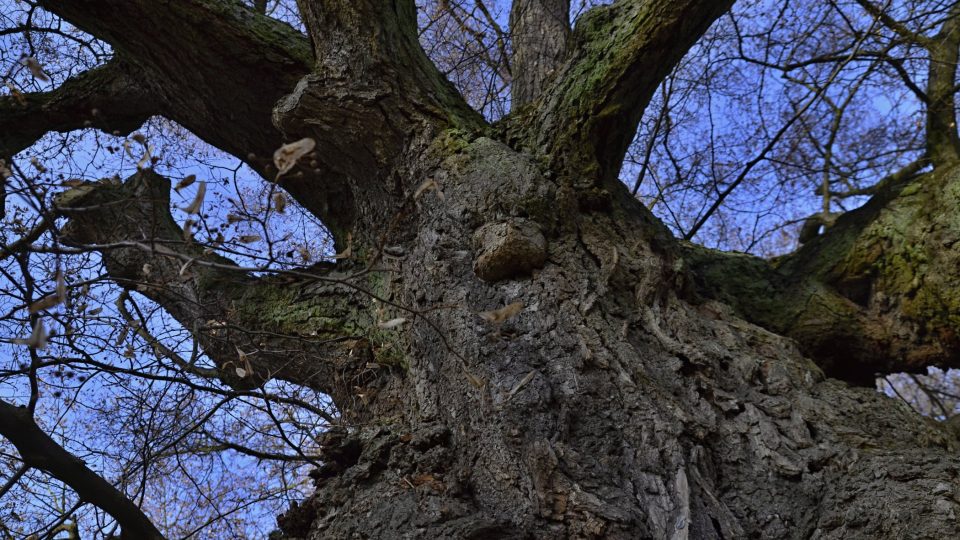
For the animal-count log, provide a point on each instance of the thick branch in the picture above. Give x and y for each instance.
(539, 30)
(620, 54)
(265, 327)
(373, 101)
(109, 98)
(874, 294)
(39, 451)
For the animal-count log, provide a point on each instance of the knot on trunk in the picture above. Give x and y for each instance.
(508, 248)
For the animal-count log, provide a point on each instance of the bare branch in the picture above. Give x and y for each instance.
(109, 98)
(39, 451)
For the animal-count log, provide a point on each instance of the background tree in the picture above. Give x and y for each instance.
(508, 343)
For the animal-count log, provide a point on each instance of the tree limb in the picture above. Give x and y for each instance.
(253, 328)
(39, 451)
(109, 98)
(620, 53)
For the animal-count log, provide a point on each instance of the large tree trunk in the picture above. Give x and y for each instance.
(558, 375)
(608, 407)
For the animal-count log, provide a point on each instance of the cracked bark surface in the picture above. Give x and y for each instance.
(616, 403)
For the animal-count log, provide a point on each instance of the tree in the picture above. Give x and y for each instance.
(514, 345)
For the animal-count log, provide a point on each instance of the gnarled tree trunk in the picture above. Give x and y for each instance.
(559, 373)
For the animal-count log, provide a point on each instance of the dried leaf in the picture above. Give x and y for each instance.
(347, 253)
(279, 202)
(516, 388)
(38, 338)
(477, 382)
(123, 334)
(94, 312)
(249, 238)
(35, 68)
(287, 155)
(37, 165)
(46, 302)
(61, 286)
(194, 207)
(234, 218)
(187, 181)
(500, 315)
(392, 323)
(188, 230)
(429, 184)
(17, 95)
(304, 253)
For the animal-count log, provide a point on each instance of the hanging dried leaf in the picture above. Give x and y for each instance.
(279, 202)
(17, 95)
(38, 337)
(516, 388)
(37, 165)
(392, 323)
(186, 182)
(304, 253)
(477, 382)
(194, 207)
(61, 286)
(500, 315)
(287, 155)
(123, 335)
(94, 312)
(35, 68)
(46, 302)
(234, 218)
(348, 252)
(188, 230)
(249, 238)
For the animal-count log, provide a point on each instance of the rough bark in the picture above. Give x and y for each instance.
(943, 142)
(602, 402)
(608, 407)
